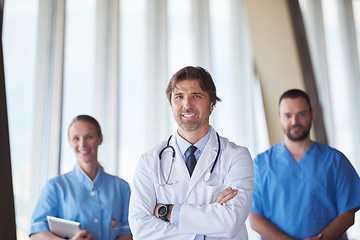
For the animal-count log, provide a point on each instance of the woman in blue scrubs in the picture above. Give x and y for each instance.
(87, 194)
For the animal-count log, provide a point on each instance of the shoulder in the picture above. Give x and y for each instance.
(265, 156)
(329, 153)
(115, 180)
(58, 184)
(233, 150)
(263, 160)
(233, 147)
(155, 150)
(61, 179)
(148, 162)
(326, 148)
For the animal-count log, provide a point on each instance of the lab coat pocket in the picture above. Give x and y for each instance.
(165, 193)
(212, 192)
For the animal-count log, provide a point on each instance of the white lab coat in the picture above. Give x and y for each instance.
(199, 214)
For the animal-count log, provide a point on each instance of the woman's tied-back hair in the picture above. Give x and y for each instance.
(89, 119)
(198, 73)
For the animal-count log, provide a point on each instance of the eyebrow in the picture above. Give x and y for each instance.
(302, 111)
(193, 93)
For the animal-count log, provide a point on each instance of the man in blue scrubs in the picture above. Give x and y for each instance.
(303, 189)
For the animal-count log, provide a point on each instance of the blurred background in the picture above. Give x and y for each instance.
(112, 59)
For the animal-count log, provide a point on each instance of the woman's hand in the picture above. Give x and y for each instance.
(84, 234)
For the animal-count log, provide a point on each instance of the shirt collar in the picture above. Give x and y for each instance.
(89, 184)
(184, 145)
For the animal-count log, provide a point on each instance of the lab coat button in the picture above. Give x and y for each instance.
(96, 220)
(92, 193)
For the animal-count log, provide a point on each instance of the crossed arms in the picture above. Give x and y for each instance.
(222, 217)
(334, 230)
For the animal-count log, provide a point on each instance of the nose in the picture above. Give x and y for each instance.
(187, 103)
(294, 120)
(82, 142)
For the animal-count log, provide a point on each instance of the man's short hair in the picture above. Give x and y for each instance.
(198, 73)
(296, 93)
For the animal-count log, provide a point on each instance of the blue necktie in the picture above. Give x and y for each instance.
(191, 160)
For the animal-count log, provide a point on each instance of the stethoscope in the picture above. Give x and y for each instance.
(207, 175)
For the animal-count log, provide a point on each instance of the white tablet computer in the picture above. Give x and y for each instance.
(62, 227)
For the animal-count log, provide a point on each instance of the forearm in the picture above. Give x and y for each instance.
(143, 200)
(266, 229)
(223, 220)
(338, 226)
(215, 219)
(44, 236)
(145, 225)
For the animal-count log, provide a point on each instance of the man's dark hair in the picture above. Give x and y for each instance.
(198, 73)
(296, 93)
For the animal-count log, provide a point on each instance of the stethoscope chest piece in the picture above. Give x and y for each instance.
(207, 176)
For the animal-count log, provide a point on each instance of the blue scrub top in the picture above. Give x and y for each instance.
(101, 206)
(302, 198)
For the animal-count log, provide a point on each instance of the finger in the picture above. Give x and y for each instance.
(229, 193)
(317, 237)
(80, 235)
(228, 197)
(224, 193)
(89, 237)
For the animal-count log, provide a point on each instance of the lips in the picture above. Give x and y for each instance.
(296, 129)
(188, 116)
(84, 152)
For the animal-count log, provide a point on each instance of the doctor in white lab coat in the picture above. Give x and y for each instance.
(167, 202)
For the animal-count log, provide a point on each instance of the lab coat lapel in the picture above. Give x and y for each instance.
(179, 165)
(206, 159)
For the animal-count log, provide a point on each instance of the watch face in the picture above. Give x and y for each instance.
(162, 210)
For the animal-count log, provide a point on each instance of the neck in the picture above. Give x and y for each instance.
(90, 169)
(298, 148)
(193, 136)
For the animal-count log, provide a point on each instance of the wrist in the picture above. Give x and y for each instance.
(168, 216)
(164, 212)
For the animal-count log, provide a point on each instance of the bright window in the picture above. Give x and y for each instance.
(19, 42)
(79, 86)
(78, 91)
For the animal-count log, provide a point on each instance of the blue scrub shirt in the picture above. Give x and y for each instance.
(302, 198)
(101, 206)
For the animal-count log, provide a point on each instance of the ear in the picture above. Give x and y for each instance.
(211, 107)
(101, 139)
(313, 113)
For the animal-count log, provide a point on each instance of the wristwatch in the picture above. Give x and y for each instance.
(163, 211)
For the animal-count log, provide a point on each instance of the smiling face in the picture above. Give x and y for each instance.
(191, 107)
(84, 140)
(296, 118)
